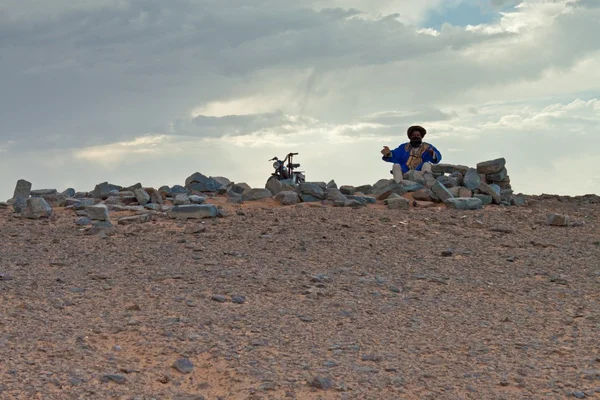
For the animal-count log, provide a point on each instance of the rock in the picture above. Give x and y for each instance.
(193, 229)
(487, 189)
(98, 212)
(43, 192)
(202, 183)
(240, 187)
(181, 199)
(219, 298)
(491, 166)
(194, 211)
(256, 194)
(101, 191)
(307, 198)
(579, 395)
(448, 168)
(83, 221)
(183, 365)
(557, 220)
(234, 198)
(178, 189)
(312, 189)
(423, 195)
(331, 185)
(380, 186)
(221, 180)
(36, 208)
(22, 189)
(135, 219)
(55, 200)
(102, 229)
(448, 181)
(120, 379)
(347, 190)
(498, 176)
(83, 203)
(464, 192)
(142, 196)
(361, 199)
(194, 199)
(237, 299)
(364, 189)
(155, 196)
(164, 191)
(458, 178)
(464, 203)
(3, 204)
(471, 179)
(416, 176)
(411, 186)
(321, 383)
(486, 199)
(131, 188)
(336, 195)
(518, 200)
(274, 186)
(441, 192)
(354, 203)
(398, 203)
(287, 198)
(394, 187)
(19, 204)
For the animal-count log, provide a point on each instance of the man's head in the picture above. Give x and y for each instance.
(415, 134)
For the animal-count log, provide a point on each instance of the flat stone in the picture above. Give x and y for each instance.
(321, 383)
(101, 191)
(491, 166)
(83, 221)
(471, 179)
(380, 185)
(221, 180)
(135, 219)
(347, 190)
(441, 191)
(416, 176)
(336, 195)
(43, 192)
(487, 189)
(120, 379)
(307, 198)
(557, 220)
(411, 186)
(55, 199)
(36, 208)
(498, 176)
(518, 200)
(239, 188)
(312, 189)
(194, 199)
(448, 168)
(193, 211)
(384, 193)
(97, 212)
(256, 194)
(81, 204)
(178, 189)
(464, 203)
(202, 183)
(181, 199)
(364, 189)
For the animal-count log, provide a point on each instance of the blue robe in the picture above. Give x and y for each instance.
(413, 158)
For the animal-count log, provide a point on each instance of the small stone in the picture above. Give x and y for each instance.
(372, 357)
(486, 199)
(192, 229)
(447, 253)
(579, 395)
(321, 383)
(120, 379)
(399, 203)
(557, 220)
(464, 203)
(194, 199)
(219, 298)
(237, 299)
(194, 211)
(135, 219)
(183, 365)
(98, 212)
(83, 221)
(4, 277)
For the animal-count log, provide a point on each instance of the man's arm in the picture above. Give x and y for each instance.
(432, 155)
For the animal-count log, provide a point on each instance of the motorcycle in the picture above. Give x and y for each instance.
(284, 172)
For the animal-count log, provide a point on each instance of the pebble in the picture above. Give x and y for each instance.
(5, 277)
(114, 378)
(219, 298)
(183, 365)
(237, 299)
(321, 383)
(579, 395)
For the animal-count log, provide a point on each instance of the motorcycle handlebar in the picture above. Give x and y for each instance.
(294, 154)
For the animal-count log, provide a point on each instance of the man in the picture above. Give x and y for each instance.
(414, 155)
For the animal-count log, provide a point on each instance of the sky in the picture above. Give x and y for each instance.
(151, 91)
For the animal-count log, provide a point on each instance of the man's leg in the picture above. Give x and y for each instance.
(397, 172)
(426, 167)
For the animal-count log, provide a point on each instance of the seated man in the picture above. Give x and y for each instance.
(414, 155)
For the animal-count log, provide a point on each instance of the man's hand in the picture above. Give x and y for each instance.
(430, 151)
(385, 151)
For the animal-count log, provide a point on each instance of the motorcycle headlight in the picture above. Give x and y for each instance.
(276, 164)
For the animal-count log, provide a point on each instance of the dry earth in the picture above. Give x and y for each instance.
(375, 303)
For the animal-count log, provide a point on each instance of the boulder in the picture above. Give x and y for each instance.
(312, 189)
(101, 191)
(288, 197)
(471, 179)
(22, 189)
(193, 211)
(131, 188)
(19, 204)
(81, 204)
(458, 177)
(239, 188)
(221, 180)
(364, 189)
(464, 203)
(331, 185)
(448, 168)
(55, 200)
(142, 196)
(448, 181)
(394, 187)
(97, 212)
(307, 198)
(441, 191)
(557, 220)
(491, 166)
(274, 186)
(155, 196)
(415, 176)
(36, 208)
(256, 194)
(178, 189)
(70, 192)
(487, 189)
(380, 185)
(347, 190)
(498, 176)
(486, 199)
(423, 195)
(335, 195)
(202, 183)
(411, 186)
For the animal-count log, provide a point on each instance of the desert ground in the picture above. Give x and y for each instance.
(305, 302)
